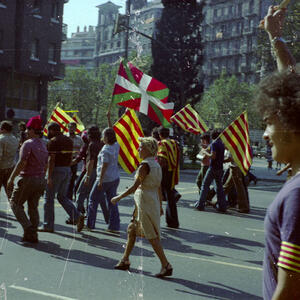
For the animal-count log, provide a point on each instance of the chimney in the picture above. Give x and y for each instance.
(78, 28)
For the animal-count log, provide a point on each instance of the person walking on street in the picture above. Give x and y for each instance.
(77, 144)
(8, 149)
(168, 158)
(215, 172)
(148, 206)
(31, 183)
(94, 147)
(236, 180)
(205, 141)
(106, 183)
(60, 149)
(269, 156)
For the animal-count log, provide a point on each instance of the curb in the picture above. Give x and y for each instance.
(194, 173)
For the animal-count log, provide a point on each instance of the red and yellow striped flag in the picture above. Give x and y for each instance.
(128, 129)
(78, 121)
(169, 150)
(189, 120)
(236, 138)
(63, 119)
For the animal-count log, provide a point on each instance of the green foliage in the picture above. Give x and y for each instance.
(177, 54)
(142, 62)
(90, 92)
(225, 100)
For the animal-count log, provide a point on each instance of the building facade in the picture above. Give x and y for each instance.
(229, 36)
(30, 45)
(78, 51)
(110, 48)
(143, 19)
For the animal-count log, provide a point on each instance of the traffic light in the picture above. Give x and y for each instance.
(121, 23)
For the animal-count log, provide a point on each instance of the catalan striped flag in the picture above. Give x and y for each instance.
(169, 150)
(63, 119)
(128, 129)
(236, 138)
(77, 121)
(189, 120)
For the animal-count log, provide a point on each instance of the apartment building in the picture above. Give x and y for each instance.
(78, 50)
(30, 45)
(229, 36)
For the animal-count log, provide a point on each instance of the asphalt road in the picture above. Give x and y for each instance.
(214, 256)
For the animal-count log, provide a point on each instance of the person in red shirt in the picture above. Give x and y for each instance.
(31, 182)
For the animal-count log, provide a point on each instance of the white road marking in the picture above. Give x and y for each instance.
(253, 229)
(54, 296)
(217, 262)
(209, 260)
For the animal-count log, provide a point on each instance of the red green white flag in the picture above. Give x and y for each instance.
(139, 91)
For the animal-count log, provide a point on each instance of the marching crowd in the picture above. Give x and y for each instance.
(278, 100)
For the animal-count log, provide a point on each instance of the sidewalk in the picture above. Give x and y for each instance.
(258, 168)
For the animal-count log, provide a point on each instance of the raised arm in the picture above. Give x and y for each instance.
(273, 25)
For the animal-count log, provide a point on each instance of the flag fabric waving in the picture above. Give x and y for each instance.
(189, 120)
(236, 139)
(77, 121)
(128, 129)
(136, 90)
(63, 119)
(169, 150)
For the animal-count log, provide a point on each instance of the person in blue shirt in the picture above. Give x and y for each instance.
(215, 172)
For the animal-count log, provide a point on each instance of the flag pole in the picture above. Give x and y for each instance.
(57, 104)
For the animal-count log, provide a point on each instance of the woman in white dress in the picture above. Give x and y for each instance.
(148, 206)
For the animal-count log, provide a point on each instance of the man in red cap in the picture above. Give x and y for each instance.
(31, 183)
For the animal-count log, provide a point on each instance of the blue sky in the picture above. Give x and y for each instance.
(84, 12)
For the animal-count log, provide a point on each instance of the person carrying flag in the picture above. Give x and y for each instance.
(168, 158)
(60, 149)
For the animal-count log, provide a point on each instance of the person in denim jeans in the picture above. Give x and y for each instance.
(8, 149)
(106, 184)
(215, 172)
(94, 147)
(60, 149)
(31, 183)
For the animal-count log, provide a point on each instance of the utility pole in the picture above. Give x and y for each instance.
(128, 12)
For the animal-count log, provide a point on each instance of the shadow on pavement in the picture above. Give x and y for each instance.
(198, 237)
(257, 213)
(213, 291)
(75, 255)
(270, 187)
(6, 216)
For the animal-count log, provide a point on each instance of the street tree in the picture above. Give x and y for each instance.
(177, 52)
(225, 100)
(88, 91)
